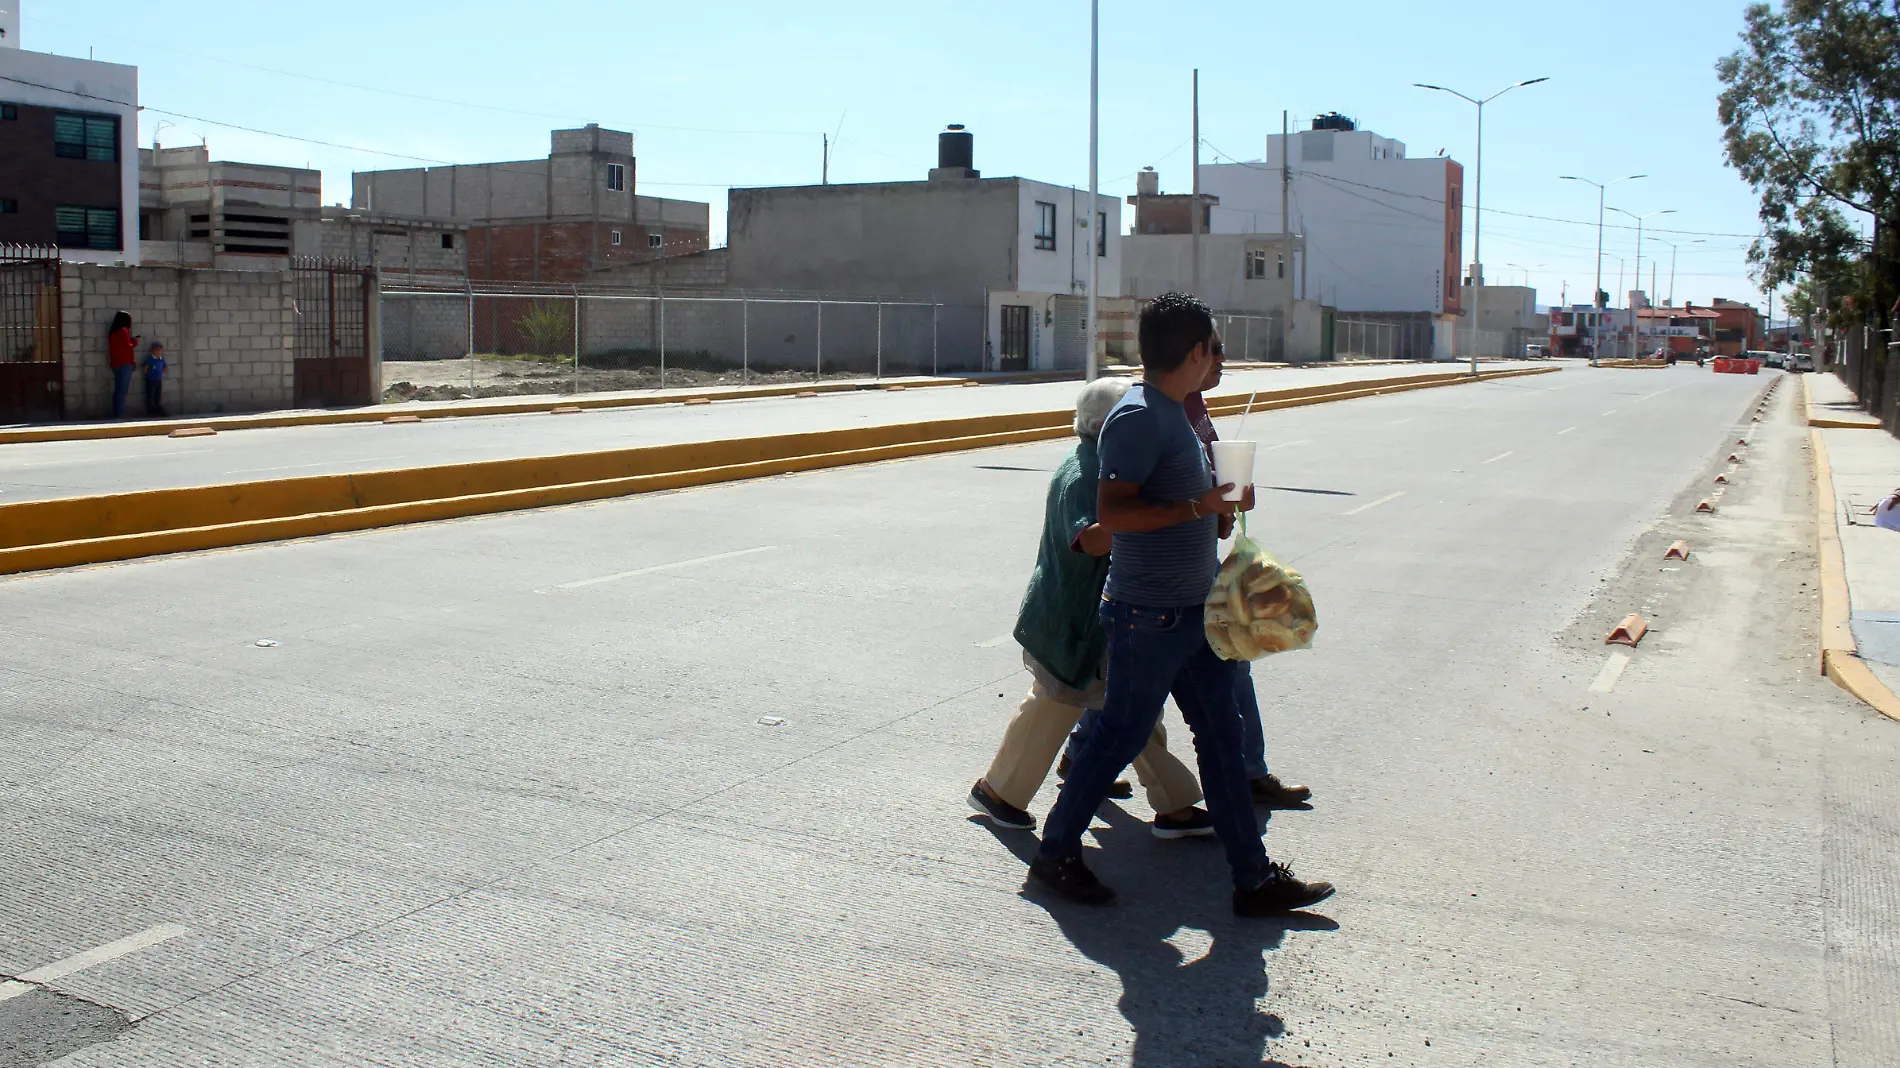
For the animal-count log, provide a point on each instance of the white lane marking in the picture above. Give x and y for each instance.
(1374, 504)
(996, 641)
(1612, 411)
(1498, 457)
(1612, 671)
(1285, 445)
(1658, 393)
(662, 567)
(1470, 407)
(59, 969)
(1401, 422)
(1565, 430)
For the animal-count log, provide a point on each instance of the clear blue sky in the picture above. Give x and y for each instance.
(732, 93)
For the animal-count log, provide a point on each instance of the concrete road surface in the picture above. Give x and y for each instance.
(45, 470)
(516, 791)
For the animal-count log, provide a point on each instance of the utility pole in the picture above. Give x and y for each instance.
(1194, 209)
(1090, 369)
(1286, 223)
(824, 174)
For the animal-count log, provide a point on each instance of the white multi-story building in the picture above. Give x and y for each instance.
(1383, 232)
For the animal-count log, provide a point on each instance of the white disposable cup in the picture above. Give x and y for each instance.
(1233, 463)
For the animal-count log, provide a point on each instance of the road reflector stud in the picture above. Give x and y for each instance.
(1628, 632)
(192, 432)
(402, 419)
(1735, 457)
(699, 400)
(1678, 551)
(1741, 441)
(1704, 506)
(1723, 479)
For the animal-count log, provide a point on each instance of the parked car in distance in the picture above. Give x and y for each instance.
(1535, 352)
(1801, 361)
(1768, 359)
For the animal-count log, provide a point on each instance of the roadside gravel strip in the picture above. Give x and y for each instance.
(36, 535)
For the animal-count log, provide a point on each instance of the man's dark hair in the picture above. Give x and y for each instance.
(1171, 325)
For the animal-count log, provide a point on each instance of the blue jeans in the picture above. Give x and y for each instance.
(1253, 749)
(121, 385)
(1154, 652)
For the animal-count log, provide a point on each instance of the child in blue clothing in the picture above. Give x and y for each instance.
(154, 367)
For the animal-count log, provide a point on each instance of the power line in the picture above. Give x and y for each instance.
(1488, 211)
(89, 31)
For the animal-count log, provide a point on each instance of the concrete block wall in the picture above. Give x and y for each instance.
(229, 336)
(425, 327)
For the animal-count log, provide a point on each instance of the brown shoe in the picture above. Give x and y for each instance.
(1119, 790)
(1270, 791)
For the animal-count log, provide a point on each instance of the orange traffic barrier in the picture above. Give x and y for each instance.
(1678, 551)
(403, 419)
(1628, 632)
(192, 432)
(1704, 505)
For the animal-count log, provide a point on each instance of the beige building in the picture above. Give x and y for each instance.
(198, 212)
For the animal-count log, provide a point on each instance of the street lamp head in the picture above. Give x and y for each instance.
(1533, 81)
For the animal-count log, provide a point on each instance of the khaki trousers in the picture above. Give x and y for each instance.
(1039, 730)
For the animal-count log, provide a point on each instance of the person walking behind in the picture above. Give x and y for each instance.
(1157, 497)
(154, 367)
(1060, 630)
(1267, 788)
(122, 348)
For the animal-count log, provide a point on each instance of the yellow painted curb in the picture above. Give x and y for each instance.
(1840, 660)
(35, 535)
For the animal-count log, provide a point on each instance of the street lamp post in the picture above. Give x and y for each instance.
(1527, 271)
(1598, 294)
(1477, 213)
(1673, 249)
(1095, 97)
(1639, 263)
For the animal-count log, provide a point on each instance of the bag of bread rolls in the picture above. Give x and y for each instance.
(1257, 606)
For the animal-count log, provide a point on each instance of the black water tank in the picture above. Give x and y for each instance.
(956, 148)
(1333, 120)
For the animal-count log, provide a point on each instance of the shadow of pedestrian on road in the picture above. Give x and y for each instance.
(1185, 1013)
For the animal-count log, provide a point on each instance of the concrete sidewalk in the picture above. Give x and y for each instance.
(1859, 466)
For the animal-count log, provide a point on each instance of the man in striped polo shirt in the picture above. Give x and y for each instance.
(1157, 496)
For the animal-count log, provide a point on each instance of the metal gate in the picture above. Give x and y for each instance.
(332, 340)
(1072, 328)
(1015, 348)
(32, 383)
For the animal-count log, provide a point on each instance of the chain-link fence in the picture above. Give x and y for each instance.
(1260, 338)
(495, 341)
(1377, 339)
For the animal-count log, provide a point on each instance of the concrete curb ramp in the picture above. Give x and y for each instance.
(1840, 659)
(36, 535)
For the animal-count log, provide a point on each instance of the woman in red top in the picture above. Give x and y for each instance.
(122, 353)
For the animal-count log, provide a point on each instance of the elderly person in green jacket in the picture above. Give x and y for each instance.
(1059, 627)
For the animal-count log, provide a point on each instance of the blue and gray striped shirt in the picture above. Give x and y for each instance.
(1148, 441)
